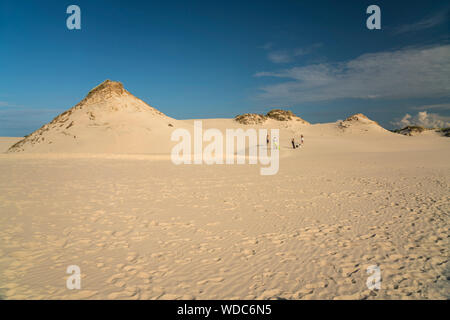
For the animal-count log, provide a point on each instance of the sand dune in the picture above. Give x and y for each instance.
(108, 120)
(140, 227)
(7, 142)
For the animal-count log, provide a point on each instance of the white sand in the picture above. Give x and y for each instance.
(140, 227)
(6, 142)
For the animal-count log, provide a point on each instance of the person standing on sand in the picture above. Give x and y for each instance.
(301, 140)
(275, 143)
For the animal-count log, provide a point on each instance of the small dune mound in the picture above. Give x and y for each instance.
(416, 130)
(250, 118)
(284, 115)
(360, 123)
(411, 130)
(356, 119)
(280, 115)
(445, 132)
(275, 114)
(359, 118)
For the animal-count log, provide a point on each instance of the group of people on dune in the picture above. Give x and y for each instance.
(274, 142)
(294, 144)
(298, 145)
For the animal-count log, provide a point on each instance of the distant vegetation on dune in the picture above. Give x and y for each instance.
(444, 131)
(414, 130)
(275, 114)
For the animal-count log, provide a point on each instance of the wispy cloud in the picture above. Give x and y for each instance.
(426, 23)
(423, 119)
(286, 56)
(405, 73)
(307, 50)
(8, 104)
(267, 46)
(279, 56)
(441, 106)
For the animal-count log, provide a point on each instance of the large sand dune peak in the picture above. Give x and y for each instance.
(108, 120)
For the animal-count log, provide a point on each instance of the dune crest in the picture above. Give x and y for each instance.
(274, 114)
(108, 120)
(359, 118)
(360, 123)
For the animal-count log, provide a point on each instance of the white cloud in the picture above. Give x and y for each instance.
(267, 46)
(426, 23)
(405, 73)
(307, 50)
(279, 57)
(441, 106)
(285, 56)
(424, 119)
(7, 104)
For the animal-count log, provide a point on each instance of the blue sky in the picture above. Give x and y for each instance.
(211, 59)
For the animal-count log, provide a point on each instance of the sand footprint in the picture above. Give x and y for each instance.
(212, 280)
